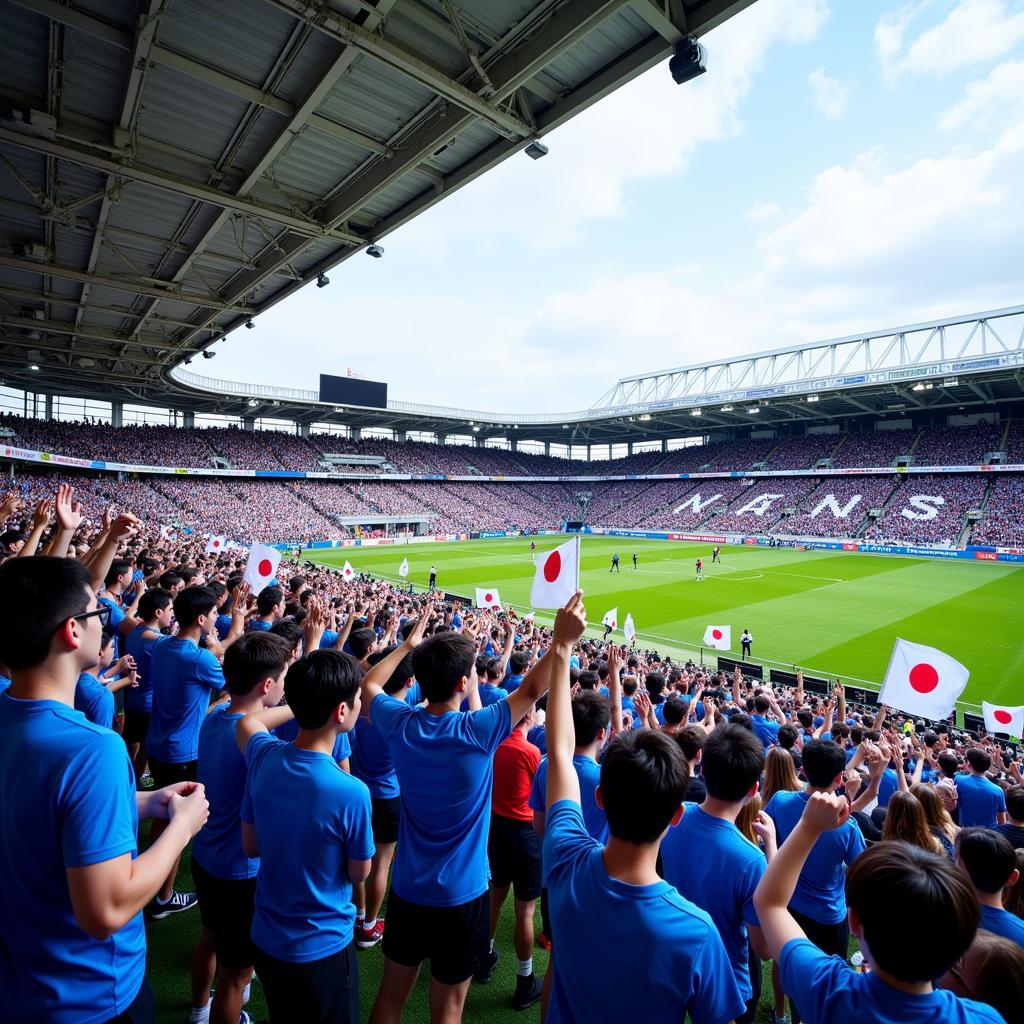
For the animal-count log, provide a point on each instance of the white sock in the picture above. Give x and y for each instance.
(370, 925)
(524, 968)
(246, 993)
(360, 917)
(200, 1015)
(492, 946)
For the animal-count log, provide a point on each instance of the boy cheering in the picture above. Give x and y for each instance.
(611, 898)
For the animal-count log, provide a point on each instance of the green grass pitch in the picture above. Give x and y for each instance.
(831, 612)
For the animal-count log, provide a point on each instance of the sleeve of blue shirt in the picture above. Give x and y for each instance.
(716, 996)
(813, 979)
(208, 670)
(246, 812)
(538, 787)
(260, 744)
(328, 640)
(492, 725)
(751, 876)
(565, 837)
(856, 845)
(97, 811)
(1000, 802)
(358, 827)
(342, 747)
(388, 714)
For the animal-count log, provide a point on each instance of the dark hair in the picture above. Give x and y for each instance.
(318, 683)
(192, 602)
(987, 857)
(268, 599)
(153, 601)
(948, 763)
(935, 895)
(117, 568)
(440, 662)
(400, 675)
(361, 640)
(589, 680)
(806, 718)
(296, 583)
(519, 663)
(188, 573)
(591, 713)
(691, 740)
(787, 736)
(107, 638)
(37, 596)
(289, 631)
(169, 580)
(675, 710)
(1015, 802)
(823, 760)
(495, 668)
(251, 659)
(732, 763)
(761, 703)
(655, 683)
(643, 784)
(217, 587)
(978, 759)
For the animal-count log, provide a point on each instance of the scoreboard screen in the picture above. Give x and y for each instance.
(353, 391)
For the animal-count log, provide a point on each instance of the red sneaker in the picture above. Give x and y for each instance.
(367, 938)
(543, 941)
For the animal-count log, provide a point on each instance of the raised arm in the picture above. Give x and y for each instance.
(615, 687)
(261, 721)
(737, 679)
(123, 527)
(840, 695)
(563, 782)
(374, 680)
(826, 725)
(876, 725)
(69, 519)
(40, 520)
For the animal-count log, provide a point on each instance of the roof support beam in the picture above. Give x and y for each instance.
(131, 286)
(87, 156)
(64, 327)
(348, 32)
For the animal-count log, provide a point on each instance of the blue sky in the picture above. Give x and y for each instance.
(844, 165)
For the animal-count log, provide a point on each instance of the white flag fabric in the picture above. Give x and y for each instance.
(403, 569)
(557, 576)
(628, 629)
(261, 568)
(215, 544)
(611, 618)
(719, 637)
(347, 572)
(487, 598)
(923, 681)
(528, 617)
(1003, 718)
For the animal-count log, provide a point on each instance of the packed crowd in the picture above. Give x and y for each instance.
(278, 450)
(929, 510)
(843, 516)
(1003, 522)
(345, 756)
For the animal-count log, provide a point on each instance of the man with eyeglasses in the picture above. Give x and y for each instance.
(72, 882)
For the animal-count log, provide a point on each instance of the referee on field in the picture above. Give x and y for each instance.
(745, 641)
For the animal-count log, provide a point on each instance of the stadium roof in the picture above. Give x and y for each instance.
(171, 168)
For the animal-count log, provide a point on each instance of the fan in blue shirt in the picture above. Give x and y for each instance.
(766, 730)
(981, 802)
(610, 897)
(309, 823)
(990, 862)
(927, 888)
(712, 863)
(72, 944)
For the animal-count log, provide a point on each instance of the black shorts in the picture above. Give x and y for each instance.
(165, 774)
(136, 725)
(142, 1009)
(386, 814)
(513, 849)
(453, 939)
(225, 906)
(317, 992)
(545, 915)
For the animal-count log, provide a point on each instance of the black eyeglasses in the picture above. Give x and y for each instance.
(102, 613)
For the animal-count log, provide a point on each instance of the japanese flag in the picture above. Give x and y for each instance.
(999, 718)
(347, 572)
(628, 629)
(215, 544)
(922, 681)
(261, 568)
(557, 576)
(611, 618)
(719, 637)
(487, 598)
(403, 569)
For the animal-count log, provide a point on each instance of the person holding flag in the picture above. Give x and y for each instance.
(403, 569)
(718, 637)
(1004, 719)
(629, 629)
(610, 622)
(433, 578)
(557, 576)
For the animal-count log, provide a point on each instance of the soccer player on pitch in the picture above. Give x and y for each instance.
(716, 554)
(700, 570)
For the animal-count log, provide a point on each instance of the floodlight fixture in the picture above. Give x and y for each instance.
(253, 403)
(375, 250)
(208, 353)
(754, 410)
(249, 324)
(34, 367)
(696, 412)
(726, 408)
(689, 61)
(813, 398)
(536, 149)
(322, 280)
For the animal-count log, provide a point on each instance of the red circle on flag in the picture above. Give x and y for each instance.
(488, 598)
(265, 568)
(1002, 717)
(552, 566)
(716, 634)
(924, 677)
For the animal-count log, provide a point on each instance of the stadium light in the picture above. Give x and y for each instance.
(754, 410)
(726, 408)
(950, 382)
(188, 362)
(696, 412)
(688, 62)
(249, 324)
(375, 250)
(253, 403)
(208, 353)
(644, 418)
(35, 367)
(476, 430)
(322, 280)
(813, 398)
(536, 149)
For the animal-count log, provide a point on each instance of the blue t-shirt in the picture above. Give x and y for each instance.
(766, 730)
(538, 736)
(595, 821)
(491, 694)
(887, 785)
(371, 761)
(140, 698)
(657, 936)
(290, 730)
(94, 700)
(980, 801)
(328, 640)
(820, 889)
(513, 682)
(258, 626)
(183, 677)
(445, 767)
(69, 802)
(223, 626)
(1002, 922)
(5, 684)
(311, 819)
(116, 618)
(827, 991)
(218, 845)
(713, 865)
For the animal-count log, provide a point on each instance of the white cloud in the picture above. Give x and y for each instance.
(829, 93)
(973, 32)
(996, 99)
(761, 211)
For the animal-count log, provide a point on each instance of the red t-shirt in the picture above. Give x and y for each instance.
(515, 764)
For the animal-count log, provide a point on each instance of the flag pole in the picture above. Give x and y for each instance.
(578, 551)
